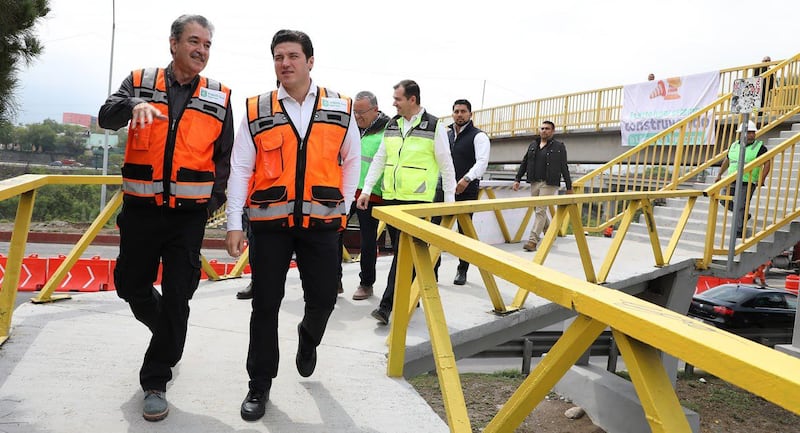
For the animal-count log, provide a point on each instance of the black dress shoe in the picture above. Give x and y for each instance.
(461, 278)
(306, 359)
(246, 293)
(254, 405)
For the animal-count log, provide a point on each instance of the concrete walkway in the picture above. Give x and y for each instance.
(72, 366)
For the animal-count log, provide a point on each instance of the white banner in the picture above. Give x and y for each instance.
(653, 106)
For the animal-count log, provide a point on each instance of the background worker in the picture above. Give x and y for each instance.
(544, 165)
(173, 179)
(413, 154)
(469, 148)
(295, 168)
(371, 123)
(750, 181)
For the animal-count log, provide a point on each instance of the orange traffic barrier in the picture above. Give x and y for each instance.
(87, 275)
(32, 273)
(792, 283)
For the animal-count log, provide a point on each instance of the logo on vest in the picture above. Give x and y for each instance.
(214, 96)
(334, 104)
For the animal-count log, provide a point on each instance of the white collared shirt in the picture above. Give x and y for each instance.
(482, 149)
(243, 156)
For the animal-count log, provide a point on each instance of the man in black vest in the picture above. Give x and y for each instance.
(469, 147)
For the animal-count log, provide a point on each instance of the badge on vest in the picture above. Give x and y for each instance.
(215, 96)
(334, 104)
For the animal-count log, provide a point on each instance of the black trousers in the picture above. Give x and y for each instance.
(368, 227)
(470, 193)
(270, 255)
(149, 236)
(387, 300)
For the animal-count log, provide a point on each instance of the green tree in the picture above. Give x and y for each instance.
(72, 139)
(40, 137)
(6, 132)
(18, 44)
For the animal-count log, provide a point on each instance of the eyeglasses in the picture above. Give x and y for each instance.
(545, 128)
(363, 112)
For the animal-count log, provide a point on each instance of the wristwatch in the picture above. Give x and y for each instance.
(467, 178)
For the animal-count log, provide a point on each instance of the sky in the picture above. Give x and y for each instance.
(492, 53)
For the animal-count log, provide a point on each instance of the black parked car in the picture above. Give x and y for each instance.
(748, 310)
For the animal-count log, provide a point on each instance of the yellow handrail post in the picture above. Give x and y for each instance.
(243, 260)
(19, 237)
(212, 274)
(47, 291)
(573, 343)
(654, 388)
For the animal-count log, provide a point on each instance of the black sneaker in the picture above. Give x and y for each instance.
(381, 316)
(306, 359)
(254, 405)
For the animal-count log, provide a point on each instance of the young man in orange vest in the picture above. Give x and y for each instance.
(295, 166)
(174, 176)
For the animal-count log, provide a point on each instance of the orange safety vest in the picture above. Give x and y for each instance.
(191, 147)
(298, 181)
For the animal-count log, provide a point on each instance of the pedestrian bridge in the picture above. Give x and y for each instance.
(638, 289)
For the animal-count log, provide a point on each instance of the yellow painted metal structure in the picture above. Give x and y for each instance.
(641, 327)
(599, 109)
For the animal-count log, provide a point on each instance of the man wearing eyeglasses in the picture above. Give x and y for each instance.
(544, 164)
(371, 123)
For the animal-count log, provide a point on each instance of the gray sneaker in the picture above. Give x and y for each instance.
(155, 405)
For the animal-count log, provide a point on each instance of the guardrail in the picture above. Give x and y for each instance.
(25, 188)
(686, 149)
(640, 328)
(595, 110)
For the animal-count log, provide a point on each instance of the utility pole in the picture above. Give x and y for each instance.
(110, 72)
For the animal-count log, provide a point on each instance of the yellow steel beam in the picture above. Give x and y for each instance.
(573, 343)
(523, 225)
(652, 230)
(616, 241)
(446, 369)
(498, 215)
(564, 215)
(583, 244)
(19, 237)
(679, 228)
(771, 375)
(400, 311)
(653, 386)
(212, 274)
(465, 222)
(46, 294)
(238, 268)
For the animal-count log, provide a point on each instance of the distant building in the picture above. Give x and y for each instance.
(99, 140)
(85, 120)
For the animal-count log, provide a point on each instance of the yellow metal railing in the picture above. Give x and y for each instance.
(589, 110)
(640, 328)
(771, 206)
(25, 187)
(688, 148)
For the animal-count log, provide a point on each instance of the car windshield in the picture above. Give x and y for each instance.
(726, 293)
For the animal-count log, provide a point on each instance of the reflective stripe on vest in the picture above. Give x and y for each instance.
(142, 189)
(191, 190)
(272, 212)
